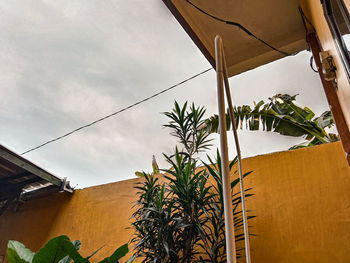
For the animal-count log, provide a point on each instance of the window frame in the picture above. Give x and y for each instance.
(336, 33)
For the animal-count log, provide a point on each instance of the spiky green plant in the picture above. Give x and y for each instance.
(191, 197)
(215, 245)
(182, 219)
(185, 124)
(154, 223)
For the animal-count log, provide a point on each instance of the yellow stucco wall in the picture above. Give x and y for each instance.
(302, 204)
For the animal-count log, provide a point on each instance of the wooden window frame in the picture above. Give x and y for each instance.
(336, 33)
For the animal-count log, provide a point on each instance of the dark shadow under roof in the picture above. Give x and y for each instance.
(21, 180)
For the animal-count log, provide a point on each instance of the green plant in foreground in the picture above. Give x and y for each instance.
(58, 250)
(283, 116)
(182, 219)
(215, 245)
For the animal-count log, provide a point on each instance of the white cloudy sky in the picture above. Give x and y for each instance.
(66, 63)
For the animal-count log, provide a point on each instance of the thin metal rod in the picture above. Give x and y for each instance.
(239, 158)
(226, 180)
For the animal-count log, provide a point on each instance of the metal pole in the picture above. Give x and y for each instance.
(226, 180)
(239, 158)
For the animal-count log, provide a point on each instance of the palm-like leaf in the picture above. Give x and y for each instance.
(280, 115)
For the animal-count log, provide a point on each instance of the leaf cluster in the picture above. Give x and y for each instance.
(182, 219)
(58, 250)
(215, 234)
(185, 123)
(283, 116)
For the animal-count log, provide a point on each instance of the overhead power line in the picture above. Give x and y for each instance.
(236, 24)
(115, 113)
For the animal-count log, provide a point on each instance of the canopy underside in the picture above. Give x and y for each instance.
(277, 22)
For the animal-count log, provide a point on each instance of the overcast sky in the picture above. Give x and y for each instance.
(66, 63)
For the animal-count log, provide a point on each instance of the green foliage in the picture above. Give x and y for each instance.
(155, 165)
(17, 252)
(182, 220)
(190, 196)
(154, 223)
(58, 250)
(155, 168)
(215, 245)
(283, 116)
(68, 259)
(185, 125)
(118, 254)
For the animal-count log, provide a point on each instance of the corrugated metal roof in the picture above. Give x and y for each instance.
(22, 180)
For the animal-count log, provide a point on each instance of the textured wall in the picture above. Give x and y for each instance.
(301, 201)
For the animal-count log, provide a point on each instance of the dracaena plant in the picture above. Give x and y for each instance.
(185, 124)
(215, 246)
(181, 219)
(154, 223)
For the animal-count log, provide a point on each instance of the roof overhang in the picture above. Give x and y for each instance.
(21, 180)
(277, 22)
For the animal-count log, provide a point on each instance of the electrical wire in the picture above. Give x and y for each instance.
(312, 65)
(115, 113)
(236, 24)
(305, 27)
(244, 29)
(305, 19)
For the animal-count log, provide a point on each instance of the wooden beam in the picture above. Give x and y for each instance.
(332, 98)
(5, 173)
(26, 165)
(14, 177)
(30, 181)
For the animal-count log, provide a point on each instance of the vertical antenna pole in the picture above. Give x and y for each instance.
(227, 195)
(239, 158)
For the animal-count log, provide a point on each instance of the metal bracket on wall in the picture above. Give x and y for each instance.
(328, 66)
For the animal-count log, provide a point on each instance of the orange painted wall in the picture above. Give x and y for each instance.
(302, 204)
(313, 9)
(97, 216)
(301, 201)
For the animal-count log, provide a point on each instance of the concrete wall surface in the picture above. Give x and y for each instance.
(302, 204)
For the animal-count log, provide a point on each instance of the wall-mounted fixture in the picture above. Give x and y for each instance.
(328, 67)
